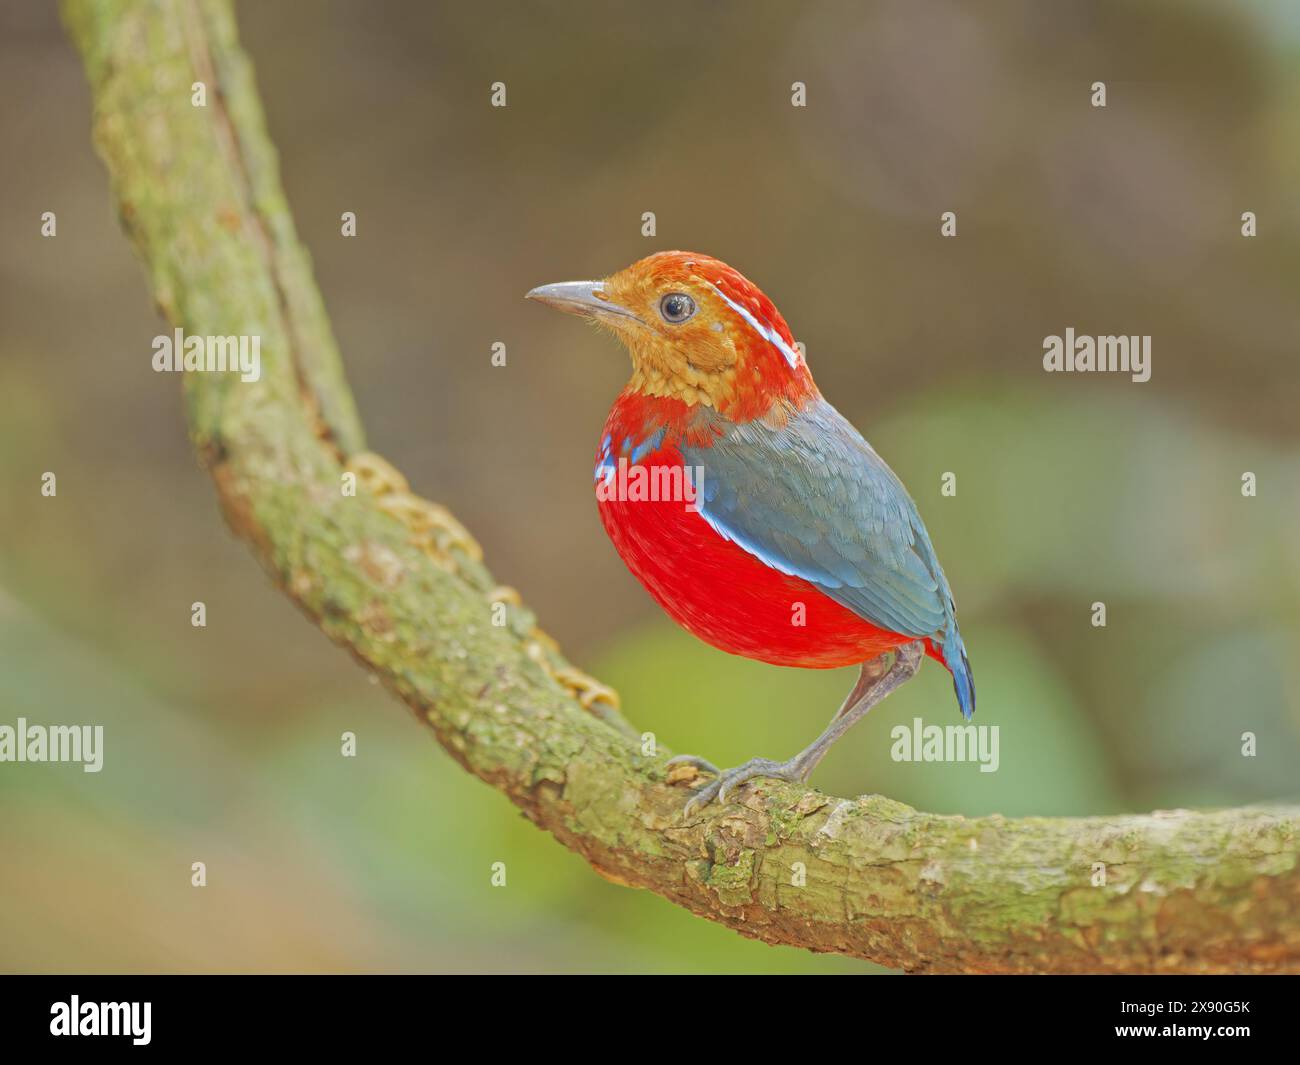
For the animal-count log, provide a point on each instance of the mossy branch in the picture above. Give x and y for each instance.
(199, 195)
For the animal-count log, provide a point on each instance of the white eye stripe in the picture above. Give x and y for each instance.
(767, 332)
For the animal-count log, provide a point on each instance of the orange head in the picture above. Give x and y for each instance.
(697, 330)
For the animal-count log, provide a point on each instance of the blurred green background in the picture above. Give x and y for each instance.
(222, 743)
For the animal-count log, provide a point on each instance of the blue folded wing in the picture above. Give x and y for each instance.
(812, 499)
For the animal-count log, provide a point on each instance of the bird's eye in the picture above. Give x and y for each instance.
(676, 307)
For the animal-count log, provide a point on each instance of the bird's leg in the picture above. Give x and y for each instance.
(868, 675)
(874, 683)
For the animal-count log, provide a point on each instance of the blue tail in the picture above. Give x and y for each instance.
(963, 681)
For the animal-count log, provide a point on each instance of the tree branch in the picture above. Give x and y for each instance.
(395, 580)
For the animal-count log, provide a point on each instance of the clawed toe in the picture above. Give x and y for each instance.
(696, 761)
(727, 781)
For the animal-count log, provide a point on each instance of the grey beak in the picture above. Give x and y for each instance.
(587, 298)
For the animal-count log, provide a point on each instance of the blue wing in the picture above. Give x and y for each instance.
(812, 499)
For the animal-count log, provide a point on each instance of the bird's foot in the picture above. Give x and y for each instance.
(727, 780)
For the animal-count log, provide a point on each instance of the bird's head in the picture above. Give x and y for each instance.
(697, 330)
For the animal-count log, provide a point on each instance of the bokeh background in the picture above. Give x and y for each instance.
(222, 743)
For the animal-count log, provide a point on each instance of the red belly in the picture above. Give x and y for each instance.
(731, 599)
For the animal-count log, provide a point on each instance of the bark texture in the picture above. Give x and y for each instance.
(395, 580)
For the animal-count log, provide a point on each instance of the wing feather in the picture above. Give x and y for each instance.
(813, 499)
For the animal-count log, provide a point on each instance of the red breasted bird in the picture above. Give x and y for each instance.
(750, 509)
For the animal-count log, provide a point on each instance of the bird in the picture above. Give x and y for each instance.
(748, 507)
